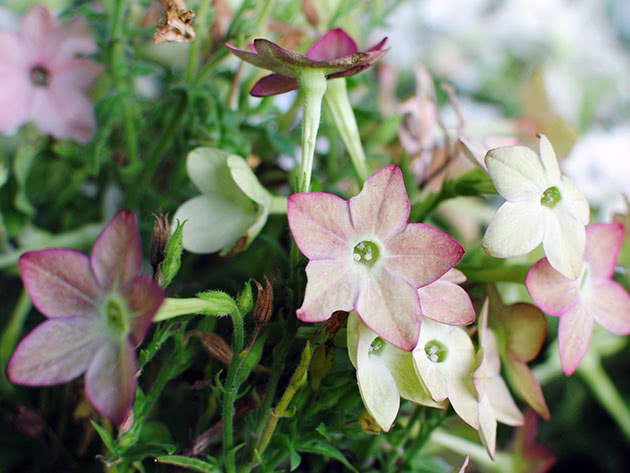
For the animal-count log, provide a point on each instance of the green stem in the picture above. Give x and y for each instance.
(312, 83)
(12, 331)
(592, 372)
(400, 441)
(502, 461)
(193, 53)
(512, 273)
(116, 63)
(231, 390)
(338, 104)
(77, 239)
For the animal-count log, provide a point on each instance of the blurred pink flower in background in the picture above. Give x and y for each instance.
(42, 79)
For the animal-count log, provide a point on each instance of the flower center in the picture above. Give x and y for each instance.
(435, 351)
(550, 197)
(114, 313)
(366, 253)
(376, 346)
(39, 76)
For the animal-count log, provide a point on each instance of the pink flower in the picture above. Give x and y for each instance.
(335, 52)
(98, 310)
(364, 256)
(42, 79)
(594, 296)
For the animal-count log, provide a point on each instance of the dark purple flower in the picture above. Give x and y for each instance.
(335, 52)
(98, 310)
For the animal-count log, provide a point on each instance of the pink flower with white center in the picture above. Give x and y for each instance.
(365, 256)
(98, 310)
(594, 296)
(42, 79)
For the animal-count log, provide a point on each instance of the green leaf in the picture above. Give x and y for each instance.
(321, 429)
(245, 299)
(326, 450)
(172, 255)
(21, 169)
(108, 441)
(251, 359)
(294, 457)
(193, 464)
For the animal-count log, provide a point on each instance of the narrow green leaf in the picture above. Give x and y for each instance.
(105, 437)
(325, 450)
(193, 464)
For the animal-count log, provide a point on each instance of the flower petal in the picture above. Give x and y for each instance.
(57, 351)
(603, 242)
(551, 291)
(487, 425)
(214, 223)
(516, 173)
(574, 336)
(144, 298)
(564, 241)
(421, 254)
(259, 61)
(208, 169)
(391, 308)
(575, 200)
(446, 302)
(330, 287)
(76, 74)
(334, 44)
(273, 84)
(352, 336)
(609, 304)
(40, 31)
(247, 181)
(382, 207)
(526, 385)
(549, 160)
(110, 381)
(461, 394)
(321, 225)
(60, 282)
(116, 257)
(524, 326)
(515, 230)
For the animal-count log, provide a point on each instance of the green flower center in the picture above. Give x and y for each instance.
(551, 197)
(435, 351)
(115, 315)
(39, 76)
(376, 346)
(366, 253)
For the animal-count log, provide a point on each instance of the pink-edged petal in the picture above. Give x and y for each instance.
(515, 230)
(574, 336)
(609, 305)
(40, 32)
(447, 303)
(60, 282)
(455, 276)
(526, 385)
(75, 74)
(116, 255)
(331, 287)
(516, 173)
(421, 254)
(55, 352)
(334, 44)
(320, 224)
(14, 100)
(551, 291)
(382, 207)
(525, 327)
(564, 241)
(378, 46)
(110, 381)
(549, 160)
(273, 84)
(391, 308)
(144, 298)
(603, 242)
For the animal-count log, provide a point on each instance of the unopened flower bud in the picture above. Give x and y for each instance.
(159, 238)
(214, 346)
(264, 303)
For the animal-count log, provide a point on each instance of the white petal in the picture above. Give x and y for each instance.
(516, 172)
(487, 425)
(247, 181)
(549, 160)
(564, 241)
(515, 230)
(575, 200)
(208, 170)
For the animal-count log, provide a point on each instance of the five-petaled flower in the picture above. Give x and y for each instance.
(542, 206)
(42, 79)
(98, 310)
(364, 256)
(335, 53)
(594, 296)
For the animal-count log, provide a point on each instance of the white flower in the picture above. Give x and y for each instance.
(542, 206)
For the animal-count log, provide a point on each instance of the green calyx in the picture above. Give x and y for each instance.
(366, 253)
(551, 197)
(115, 315)
(435, 351)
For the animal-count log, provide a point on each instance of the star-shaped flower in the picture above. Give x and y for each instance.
(42, 79)
(542, 206)
(384, 374)
(594, 296)
(98, 310)
(335, 53)
(364, 256)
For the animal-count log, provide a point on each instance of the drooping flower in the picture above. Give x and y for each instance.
(542, 206)
(364, 256)
(594, 296)
(43, 80)
(98, 309)
(384, 374)
(495, 401)
(335, 53)
(520, 331)
(232, 208)
(444, 359)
